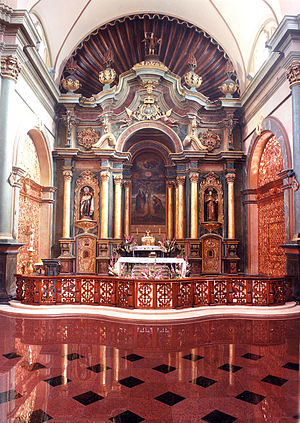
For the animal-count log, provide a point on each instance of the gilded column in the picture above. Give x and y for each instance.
(194, 205)
(127, 208)
(176, 209)
(10, 69)
(180, 181)
(170, 218)
(293, 75)
(118, 206)
(230, 177)
(67, 203)
(104, 205)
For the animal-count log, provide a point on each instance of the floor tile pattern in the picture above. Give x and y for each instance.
(98, 371)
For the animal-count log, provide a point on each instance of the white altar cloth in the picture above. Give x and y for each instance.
(151, 260)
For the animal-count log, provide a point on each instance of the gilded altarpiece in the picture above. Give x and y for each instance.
(30, 201)
(270, 201)
(86, 218)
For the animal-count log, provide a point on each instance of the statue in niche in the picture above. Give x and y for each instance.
(86, 203)
(211, 205)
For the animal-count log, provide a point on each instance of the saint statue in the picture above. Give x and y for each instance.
(151, 43)
(211, 202)
(87, 204)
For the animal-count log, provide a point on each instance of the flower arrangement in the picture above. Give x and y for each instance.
(126, 246)
(168, 246)
(151, 272)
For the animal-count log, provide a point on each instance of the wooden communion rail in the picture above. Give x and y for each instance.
(151, 294)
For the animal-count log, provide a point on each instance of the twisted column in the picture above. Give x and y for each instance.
(230, 177)
(118, 206)
(67, 206)
(194, 205)
(104, 205)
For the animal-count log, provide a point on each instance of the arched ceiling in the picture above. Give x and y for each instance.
(124, 38)
(234, 24)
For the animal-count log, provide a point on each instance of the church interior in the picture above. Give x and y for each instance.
(150, 211)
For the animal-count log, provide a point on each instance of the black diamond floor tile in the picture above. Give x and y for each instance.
(251, 356)
(230, 368)
(250, 397)
(34, 366)
(9, 396)
(39, 416)
(57, 380)
(127, 417)
(97, 368)
(164, 368)
(169, 398)
(217, 416)
(193, 357)
(274, 380)
(74, 356)
(291, 366)
(130, 382)
(11, 355)
(205, 382)
(88, 398)
(133, 357)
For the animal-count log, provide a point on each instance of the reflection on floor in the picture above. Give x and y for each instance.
(92, 370)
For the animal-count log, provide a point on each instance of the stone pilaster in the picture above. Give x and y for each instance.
(127, 208)
(170, 217)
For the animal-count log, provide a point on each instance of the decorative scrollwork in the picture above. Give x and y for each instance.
(210, 139)
(88, 137)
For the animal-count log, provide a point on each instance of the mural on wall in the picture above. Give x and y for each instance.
(148, 190)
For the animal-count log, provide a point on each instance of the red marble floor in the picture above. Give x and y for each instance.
(95, 370)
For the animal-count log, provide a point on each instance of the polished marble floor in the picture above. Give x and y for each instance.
(95, 370)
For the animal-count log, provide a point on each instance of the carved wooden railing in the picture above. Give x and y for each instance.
(151, 294)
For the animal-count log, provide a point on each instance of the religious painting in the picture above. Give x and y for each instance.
(148, 190)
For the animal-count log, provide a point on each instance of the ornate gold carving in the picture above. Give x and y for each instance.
(104, 176)
(194, 177)
(149, 109)
(210, 139)
(118, 179)
(191, 79)
(211, 185)
(228, 87)
(86, 200)
(10, 67)
(180, 180)
(88, 137)
(293, 74)
(230, 177)
(270, 163)
(107, 76)
(86, 254)
(211, 255)
(68, 174)
(150, 64)
(70, 83)
(148, 239)
(149, 85)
